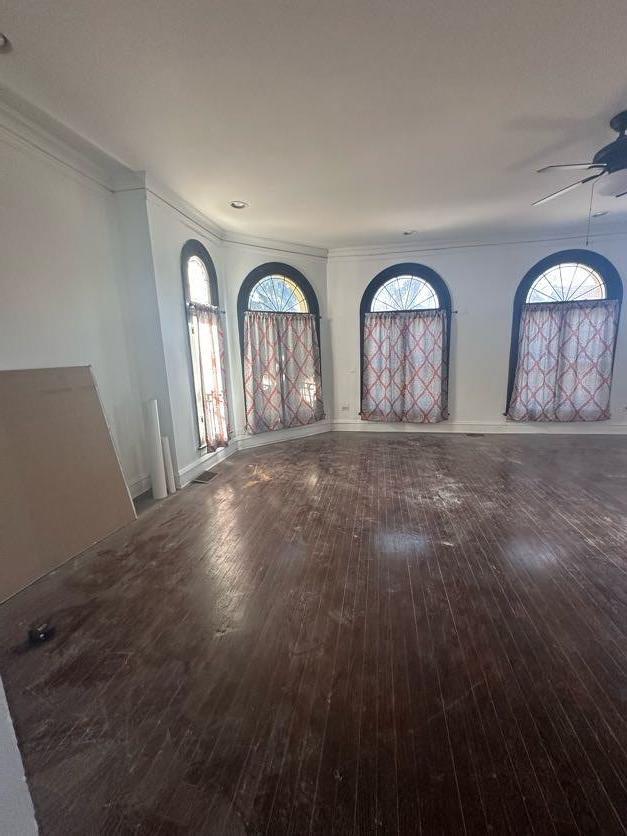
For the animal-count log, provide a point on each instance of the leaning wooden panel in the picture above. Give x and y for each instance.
(61, 486)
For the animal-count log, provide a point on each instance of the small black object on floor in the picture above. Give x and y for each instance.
(40, 633)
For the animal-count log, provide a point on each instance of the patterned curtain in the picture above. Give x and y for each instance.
(207, 342)
(564, 369)
(262, 375)
(404, 367)
(281, 371)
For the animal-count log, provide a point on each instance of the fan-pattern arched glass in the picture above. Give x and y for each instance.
(198, 281)
(278, 294)
(405, 293)
(567, 283)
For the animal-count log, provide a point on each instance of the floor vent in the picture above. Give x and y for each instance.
(204, 477)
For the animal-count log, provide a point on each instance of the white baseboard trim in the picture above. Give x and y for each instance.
(505, 427)
(139, 486)
(245, 442)
(190, 471)
(248, 442)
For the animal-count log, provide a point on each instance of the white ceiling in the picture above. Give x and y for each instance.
(341, 121)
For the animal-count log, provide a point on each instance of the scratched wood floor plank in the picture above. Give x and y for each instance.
(352, 633)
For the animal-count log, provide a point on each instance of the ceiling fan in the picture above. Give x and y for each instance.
(611, 158)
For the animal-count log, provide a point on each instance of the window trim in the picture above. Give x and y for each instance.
(403, 310)
(592, 260)
(192, 247)
(294, 289)
(421, 271)
(195, 248)
(275, 268)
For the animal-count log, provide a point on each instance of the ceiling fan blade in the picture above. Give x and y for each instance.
(573, 167)
(622, 194)
(567, 188)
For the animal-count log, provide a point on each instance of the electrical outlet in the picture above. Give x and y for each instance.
(345, 407)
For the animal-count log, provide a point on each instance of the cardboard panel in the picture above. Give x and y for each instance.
(61, 486)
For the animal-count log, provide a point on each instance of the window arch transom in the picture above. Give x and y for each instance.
(279, 294)
(567, 282)
(405, 293)
(198, 281)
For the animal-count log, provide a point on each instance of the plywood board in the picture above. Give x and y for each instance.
(61, 486)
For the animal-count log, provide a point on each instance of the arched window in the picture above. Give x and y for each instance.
(564, 327)
(567, 282)
(198, 284)
(206, 345)
(279, 294)
(405, 293)
(280, 342)
(405, 319)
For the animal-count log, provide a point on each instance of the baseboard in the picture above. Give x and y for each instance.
(247, 442)
(505, 427)
(190, 471)
(139, 486)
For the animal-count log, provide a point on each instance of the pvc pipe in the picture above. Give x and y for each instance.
(155, 451)
(167, 461)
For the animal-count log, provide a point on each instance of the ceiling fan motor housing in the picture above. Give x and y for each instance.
(614, 155)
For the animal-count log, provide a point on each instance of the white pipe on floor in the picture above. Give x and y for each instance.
(154, 450)
(167, 460)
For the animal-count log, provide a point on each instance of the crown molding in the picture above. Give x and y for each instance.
(129, 181)
(273, 245)
(158, 191)
(386, 250)
(27, 127)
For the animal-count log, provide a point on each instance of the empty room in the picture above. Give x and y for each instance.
(313, 417)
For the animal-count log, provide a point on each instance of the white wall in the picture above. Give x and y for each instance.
(482, 281)
(141, 310)
(170, 228)
(61, 302)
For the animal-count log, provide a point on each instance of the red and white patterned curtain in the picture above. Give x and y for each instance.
(281, 371)
(404, 375)
(564, 369)
(207, 344)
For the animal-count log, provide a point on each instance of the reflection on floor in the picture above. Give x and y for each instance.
(353, 633)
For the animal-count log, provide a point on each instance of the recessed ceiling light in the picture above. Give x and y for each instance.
(600, 214)
(409, 232)
(239, 204)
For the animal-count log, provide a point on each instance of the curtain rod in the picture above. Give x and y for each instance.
(248, 310)
(289, 313)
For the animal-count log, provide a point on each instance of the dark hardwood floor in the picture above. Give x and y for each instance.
(354, 633)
